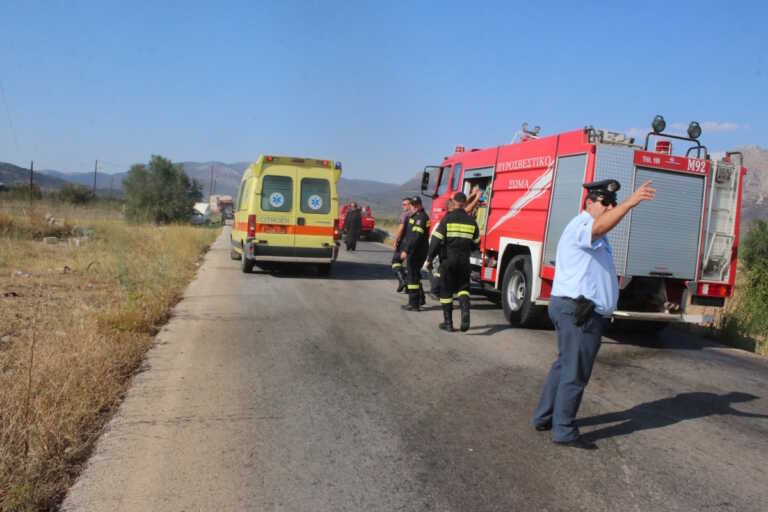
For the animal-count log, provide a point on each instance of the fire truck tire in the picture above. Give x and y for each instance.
(516, 289)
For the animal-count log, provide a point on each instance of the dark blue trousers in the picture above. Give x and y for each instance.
(577, 349)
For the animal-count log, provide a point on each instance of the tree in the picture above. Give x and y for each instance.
(160, 192)
(754, 247)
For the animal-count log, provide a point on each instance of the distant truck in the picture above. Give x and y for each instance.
(367, 224)
(222, 204)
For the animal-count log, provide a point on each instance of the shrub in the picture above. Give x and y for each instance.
(75, 194)
(159, 192)
(754, 295)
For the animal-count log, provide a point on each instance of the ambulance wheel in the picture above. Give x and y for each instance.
(516, 290)
(245, 264)
(324, 269)
(234, 254)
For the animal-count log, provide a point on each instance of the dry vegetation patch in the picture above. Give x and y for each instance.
(75, 321)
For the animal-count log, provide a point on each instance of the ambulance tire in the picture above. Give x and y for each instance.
(245, 264)
(516, 290)
(234, 254)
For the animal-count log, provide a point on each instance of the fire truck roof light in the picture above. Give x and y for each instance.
(658, 124)
(459, 149)
(694, 130)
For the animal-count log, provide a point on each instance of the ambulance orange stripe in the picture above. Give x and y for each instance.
(289, 229)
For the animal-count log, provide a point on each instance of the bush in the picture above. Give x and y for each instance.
(18, 191)
(159, 192)
(75, 194)
(754, 295)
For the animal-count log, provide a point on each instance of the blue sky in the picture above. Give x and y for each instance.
(385, 87)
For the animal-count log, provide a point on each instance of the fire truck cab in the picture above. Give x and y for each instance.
(678, 249)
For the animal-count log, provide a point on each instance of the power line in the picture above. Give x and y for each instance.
(8, 113)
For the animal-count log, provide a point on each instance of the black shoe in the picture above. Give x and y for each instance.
(446, 327)
(422, 300)
(543, 428)
(579, 442)
(409, 307)
(401, 287)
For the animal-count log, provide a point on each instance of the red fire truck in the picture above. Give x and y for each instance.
(678, 249)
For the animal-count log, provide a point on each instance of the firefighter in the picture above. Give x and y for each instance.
(352, 224)
(459, 235)
(434, 279)
(414, 252)
(397, 261)
(584, 293)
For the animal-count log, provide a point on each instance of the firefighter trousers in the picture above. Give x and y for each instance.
(454, 279)
(397, 265)
(413, 264)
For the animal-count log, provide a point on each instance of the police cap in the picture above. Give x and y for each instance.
(605, 188)
(416, 200)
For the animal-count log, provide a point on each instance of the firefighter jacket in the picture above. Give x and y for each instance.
(416, 233)
(457, 233)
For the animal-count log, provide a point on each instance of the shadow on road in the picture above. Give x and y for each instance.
(669, 338)
(342, 271)
(667, 411)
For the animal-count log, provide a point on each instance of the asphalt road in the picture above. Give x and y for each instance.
(291, 392)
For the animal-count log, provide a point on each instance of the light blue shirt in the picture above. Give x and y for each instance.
(584, 267)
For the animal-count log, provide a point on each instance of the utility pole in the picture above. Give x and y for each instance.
(31, 177)
(111, 180)
(210, 189)
(95, 169)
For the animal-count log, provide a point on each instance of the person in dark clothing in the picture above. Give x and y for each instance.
(397, 261)
(414, 252)
(458, 235)
(434, 274)
(353, 222)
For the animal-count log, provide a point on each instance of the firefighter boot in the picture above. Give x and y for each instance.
(401, 282)
(447, 324)
(422, 297)
(464, 305)
(413, 301)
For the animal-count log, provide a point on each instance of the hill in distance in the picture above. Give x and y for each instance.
(383, 198)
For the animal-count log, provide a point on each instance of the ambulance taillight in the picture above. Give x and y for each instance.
(336, 230)
(251, 226)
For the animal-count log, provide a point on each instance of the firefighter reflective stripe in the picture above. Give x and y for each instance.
(435, 274)
(438, 235)
(413, 286)
(417, 229)
(446, 301)
(459, 234)
(463, 293)
(458, 230)
(397, 265)
(477, 240)
(410, 221)
(464, 228)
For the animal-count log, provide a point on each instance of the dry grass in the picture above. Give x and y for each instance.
(75, 321)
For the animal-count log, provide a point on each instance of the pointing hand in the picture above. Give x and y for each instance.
(643, 193)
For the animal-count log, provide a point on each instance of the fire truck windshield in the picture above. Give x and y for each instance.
(442, 178)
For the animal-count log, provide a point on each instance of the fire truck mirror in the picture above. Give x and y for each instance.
(426, 178)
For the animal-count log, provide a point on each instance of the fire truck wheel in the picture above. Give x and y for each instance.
(516, 292)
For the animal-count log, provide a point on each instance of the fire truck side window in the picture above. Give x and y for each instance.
(443, 185)
(455, 177)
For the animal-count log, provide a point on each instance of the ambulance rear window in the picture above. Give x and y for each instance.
(276, 194)
(315, 195)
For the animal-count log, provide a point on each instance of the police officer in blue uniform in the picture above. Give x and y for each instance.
(584, 293)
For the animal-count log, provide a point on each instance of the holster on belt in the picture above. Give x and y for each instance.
(584, 308)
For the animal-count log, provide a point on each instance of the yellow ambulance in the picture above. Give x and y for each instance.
(287, 209)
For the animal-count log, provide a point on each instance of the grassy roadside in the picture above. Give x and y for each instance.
(75, 321)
